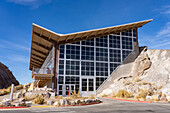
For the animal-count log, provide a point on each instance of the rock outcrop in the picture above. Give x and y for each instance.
(6, 77)
(150, 71)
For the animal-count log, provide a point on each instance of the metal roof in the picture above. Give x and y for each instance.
(43, 39)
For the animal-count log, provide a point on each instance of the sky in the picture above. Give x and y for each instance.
(67, 16)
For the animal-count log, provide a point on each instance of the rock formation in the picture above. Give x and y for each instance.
(6, 77)
(150, 71)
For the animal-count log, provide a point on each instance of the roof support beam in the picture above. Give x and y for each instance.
(41, 45)
(37, 59)
(43, 58)
(36, 62)
(39, 51)
(44, 37)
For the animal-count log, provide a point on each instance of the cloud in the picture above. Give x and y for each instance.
(165, 32)
(161, 39)
(32, 3)
(166, 9)
(18, 58)
(11, 45)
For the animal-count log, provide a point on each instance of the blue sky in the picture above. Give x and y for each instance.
(65, 16)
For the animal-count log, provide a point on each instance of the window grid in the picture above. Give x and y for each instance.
(87, 68)
(101, 69)
(61, 50)
(72, 67)
(126, 43)
(101, 54)
(87, 53)
(115, 55)
(102, 41)
(72, 52)
(114, 41)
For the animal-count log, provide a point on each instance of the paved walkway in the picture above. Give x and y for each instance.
(108, 106)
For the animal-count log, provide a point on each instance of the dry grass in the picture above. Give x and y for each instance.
(123, 94)
(113, 94)
(18, 87)
(59, 97)
(105, 95)
(127, 82)
(92, 96)
(84, 98)
(75, 95)
(137, 79)
(39, 100)
(142, 94)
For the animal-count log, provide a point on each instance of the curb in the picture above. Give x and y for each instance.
(81, 104)
(128, 100)
(11, 107)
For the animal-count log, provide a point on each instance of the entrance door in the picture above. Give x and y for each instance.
(88, 86)
(65, 90)
(69, 88)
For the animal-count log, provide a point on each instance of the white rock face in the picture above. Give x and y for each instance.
(150, 71)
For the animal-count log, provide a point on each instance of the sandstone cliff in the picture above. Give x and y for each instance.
(149, 71)
(6, 77)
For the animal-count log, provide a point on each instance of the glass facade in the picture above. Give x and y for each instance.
(87, 64)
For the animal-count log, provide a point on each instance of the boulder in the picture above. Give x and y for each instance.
(67, 102)
(72, 103)
(77, 101)
(56, 103)
(5, 100)
(28, 103)
(50, 102)
(163, 98)
(149, 97)
(156, 97)
(62, 102)
(16, 104)
(47, 95)
(18, 95)
(21, 100)
(30, 94)
(52, 94)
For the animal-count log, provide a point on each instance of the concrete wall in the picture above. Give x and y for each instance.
(122, 71)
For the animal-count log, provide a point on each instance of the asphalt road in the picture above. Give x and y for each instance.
(108, 106)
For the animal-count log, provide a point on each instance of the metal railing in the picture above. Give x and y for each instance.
(42, 71)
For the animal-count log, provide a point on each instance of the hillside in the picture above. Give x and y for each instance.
(6, 77)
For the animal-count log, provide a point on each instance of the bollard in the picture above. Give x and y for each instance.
(11, 95)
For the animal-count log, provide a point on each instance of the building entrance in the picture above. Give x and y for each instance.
(88, 85)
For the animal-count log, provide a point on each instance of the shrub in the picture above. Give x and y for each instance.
(85, 98)
(18, 87)
(104, 95)
(39, 100)
(137, 79)
(142, 94)
(75, 95)
(92, 96)
(59, 97)
(123, 94)
(127, 82)
(113, 94)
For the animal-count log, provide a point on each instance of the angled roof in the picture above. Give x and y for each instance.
(42, 39)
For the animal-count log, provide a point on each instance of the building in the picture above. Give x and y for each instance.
(82, 60)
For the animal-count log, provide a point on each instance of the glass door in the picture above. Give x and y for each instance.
(69, 88)
(88, 86)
